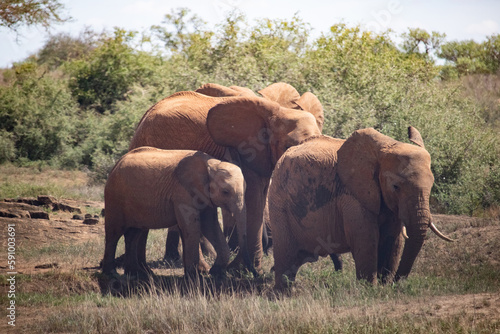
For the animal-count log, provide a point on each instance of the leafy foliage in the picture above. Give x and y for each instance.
(470, 57)
(14, 13)
(36, 111)
(108, 72)
(79, 102)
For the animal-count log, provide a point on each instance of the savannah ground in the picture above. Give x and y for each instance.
(453, 288)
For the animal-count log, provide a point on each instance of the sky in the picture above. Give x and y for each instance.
(458, 19)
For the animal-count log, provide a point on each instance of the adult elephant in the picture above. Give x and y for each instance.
(282, 93)
(286, 96)
(358, 196)
(252, 131)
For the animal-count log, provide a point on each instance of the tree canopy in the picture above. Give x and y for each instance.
(16, 13)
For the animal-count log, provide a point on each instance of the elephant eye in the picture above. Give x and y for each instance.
(395, 187)
(225, 192)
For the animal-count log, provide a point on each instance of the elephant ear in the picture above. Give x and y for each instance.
(243, 123)
(415, 137)
(282, 93)
(215, 90)
(357, 168)
(309, 102)
(192, 173)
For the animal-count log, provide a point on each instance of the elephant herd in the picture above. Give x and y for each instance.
(219, 147)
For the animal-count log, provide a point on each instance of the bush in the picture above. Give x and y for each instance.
(362, 79)
(7, 146)
(36, 111)
(107, 73)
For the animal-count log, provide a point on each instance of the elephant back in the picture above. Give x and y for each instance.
(306, 174)
(178, 122)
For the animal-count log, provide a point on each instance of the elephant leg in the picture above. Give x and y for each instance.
(255, 198)
(286, 266)
(190, 232)
(285, 253)
(337, 261)
(265, 240)
(111, 241)
(131, 265)
(266, 231)
(211, 229)
(141, 251)
(172, 245)
(207, 249)
(364, 250)
(390, 251)
(203, 266)
(230, 231)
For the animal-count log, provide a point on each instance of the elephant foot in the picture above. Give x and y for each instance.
(337, 261)
(238, 265)
(192, 276)
(172, 257)
(110, 273)
(115, 287)
(217, 271)
(139, 273)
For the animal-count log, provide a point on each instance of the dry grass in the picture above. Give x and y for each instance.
(454, 288)
(32, 181)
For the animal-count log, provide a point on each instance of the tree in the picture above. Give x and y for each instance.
(470, 57)
(178, 28)
(419, 41)
(106, 74)
(15, 13)
(62, 47)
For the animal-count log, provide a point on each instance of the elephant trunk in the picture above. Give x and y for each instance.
(241, 227)
(416, 230)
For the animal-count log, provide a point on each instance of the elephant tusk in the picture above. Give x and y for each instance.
(404, 233)
(439, 234)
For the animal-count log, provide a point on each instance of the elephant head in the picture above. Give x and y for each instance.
(288, 97)
(260, 130)
(216, 183)
(386, 175)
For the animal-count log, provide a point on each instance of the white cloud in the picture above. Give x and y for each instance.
(486, 27)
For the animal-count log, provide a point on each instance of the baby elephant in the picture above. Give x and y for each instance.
(150, 188)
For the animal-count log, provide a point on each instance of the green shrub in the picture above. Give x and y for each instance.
(87, 116)
(107, 73)
(7, 146)
(36, 110)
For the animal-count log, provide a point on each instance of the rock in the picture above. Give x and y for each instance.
(77, 217)
(96, 216)
(102, 213)
(91, 221)
(88, 215)
(28, 200)
(47, 265)
(46, 199)
(39, 215)
(14, 214)
(64, 207)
